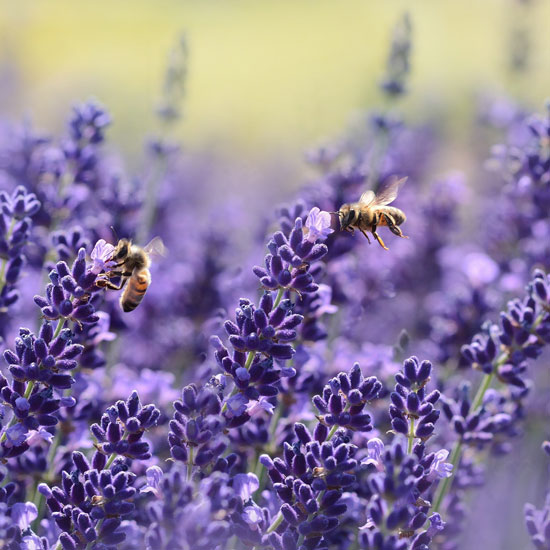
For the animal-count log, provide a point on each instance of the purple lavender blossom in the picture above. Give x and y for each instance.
(318, 225)
(16, 213)
(101, 257)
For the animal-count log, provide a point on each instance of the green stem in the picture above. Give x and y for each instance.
(279, 297)
(446, 483)
(411, 437)
(249, 359)
(276, 522)
(30, 387)
(110, 461)
(190, 464)
(485, 383)
(58, 328)
(38, 498)
(457, 449)
(332, 432)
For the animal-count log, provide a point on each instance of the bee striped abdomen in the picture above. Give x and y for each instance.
(135, 290)
(397, 215)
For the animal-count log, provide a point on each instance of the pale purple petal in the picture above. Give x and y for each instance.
(24, 514)
(440, 468)
(255, 408)
(437, 524)
(375, 448)
(37, 437)
(16, 434)
(253, 516)
(31, 542)
(245, 485)
(154, 476)
(236, 405)
(101, 257)
(318, 225)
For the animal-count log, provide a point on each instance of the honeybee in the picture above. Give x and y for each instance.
(372, 211)
(132, 266)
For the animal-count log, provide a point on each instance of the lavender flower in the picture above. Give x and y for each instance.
(90, 505)
(68, 293)
(121, 430)
(318, 225)
(412, 410)
(16, 212)
(38, 366)
(345, 397)
(398, 64)
(101, 257)
(288, 263)
(196, 437)
(181, 519)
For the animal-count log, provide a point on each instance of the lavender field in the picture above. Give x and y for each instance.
(211, 349)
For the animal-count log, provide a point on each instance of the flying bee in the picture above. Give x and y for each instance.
(132, 266)
(372, 211)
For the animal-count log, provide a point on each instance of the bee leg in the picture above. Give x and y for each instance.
(377, 237)
(112, 274)
(111, 286)
(365, 233)
(393, 227)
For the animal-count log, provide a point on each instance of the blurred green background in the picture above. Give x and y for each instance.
(265, 77)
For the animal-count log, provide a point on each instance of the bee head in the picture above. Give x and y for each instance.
(122, 249)
(346, 215)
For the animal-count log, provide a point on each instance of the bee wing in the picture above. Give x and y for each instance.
(389, 190)
(156, 248)
(367, 197)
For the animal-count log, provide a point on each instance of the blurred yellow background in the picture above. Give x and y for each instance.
(265, 76)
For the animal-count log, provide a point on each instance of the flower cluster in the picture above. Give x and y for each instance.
(121, 429)
(413, 410)
(288, 263)
(195, 432)
(394, 484)
(181, 518)
(68, 293)
(398, 64)
(38, 367)
(310, 479)
(90, 505)
(523, 332)
(344, 399)
(16, 212)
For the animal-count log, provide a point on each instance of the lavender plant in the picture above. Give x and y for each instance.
(297, 417)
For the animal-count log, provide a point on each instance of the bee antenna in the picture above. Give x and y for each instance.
(114, 233)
